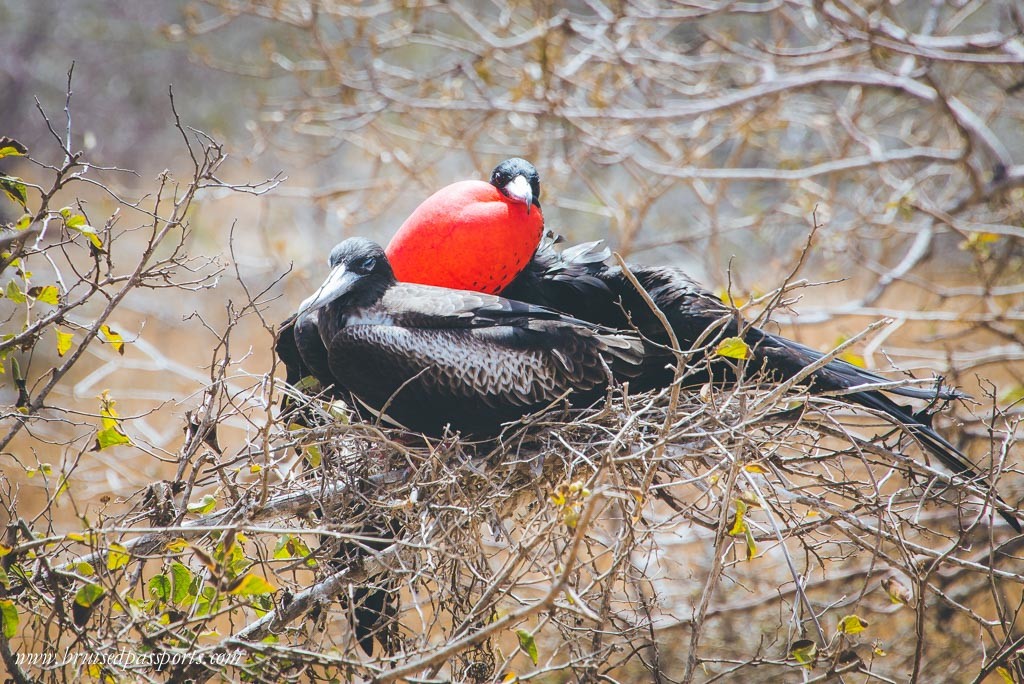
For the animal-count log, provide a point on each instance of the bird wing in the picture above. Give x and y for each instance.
(287, 350)
(565, 281)
(521, 365)
(423, 306)
(690, 308)
(551, 276)
(569, 279)
(843, 374)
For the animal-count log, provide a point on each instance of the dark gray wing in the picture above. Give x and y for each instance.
(477, 376)
(288, 352)
(423, 306)
(308, 342)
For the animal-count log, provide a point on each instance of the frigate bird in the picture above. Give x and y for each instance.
(499, 227)
(580, 282)
(427, 358)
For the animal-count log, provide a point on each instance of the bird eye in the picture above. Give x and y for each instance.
(367, 264)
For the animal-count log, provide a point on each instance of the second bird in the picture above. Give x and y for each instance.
(579, 282)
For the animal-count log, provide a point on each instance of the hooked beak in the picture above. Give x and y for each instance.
(338, 283)
(519, 189)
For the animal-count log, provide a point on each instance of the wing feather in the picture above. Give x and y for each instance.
(474, 376)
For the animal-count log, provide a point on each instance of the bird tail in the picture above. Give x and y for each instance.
(788, 358)
(846, 374)
(951, 457)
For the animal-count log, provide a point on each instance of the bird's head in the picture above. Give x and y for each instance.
(359, 270)
(518, 180)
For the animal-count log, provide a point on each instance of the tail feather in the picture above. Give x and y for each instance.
(948, 455)
(789, 357)
(852, 375)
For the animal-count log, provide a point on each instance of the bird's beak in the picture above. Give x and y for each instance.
(519, 189)
(339, 282)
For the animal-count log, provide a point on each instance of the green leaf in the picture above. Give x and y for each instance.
(47, 294)
(1012, 395)
(85, 569)
(208, 601)
(740, 527)
(234, 560)
(805, 652)
(253, 585)
(160, 587)
(63, 342)
(110, 437)
(113, 338)
(14, 293)
(338, 411)
(88, 595)
(85, 600)
(733, 348)
(24, 222)
(313, 456)
(181, 582)
(980, 244)
(308, 385)
(9, 147)
(854, 359)
(110, 433)
(528, 644)
(176, 545)
(118, 557)
(852, 624)
(77, 223)
(748, 537)
(15, 189)
(8, 619)
(739, 524)
(291, 546)
(62, 485)
(204, 505)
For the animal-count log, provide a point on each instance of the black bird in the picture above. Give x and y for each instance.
(431, 357)
(580, 282)
(428, 357)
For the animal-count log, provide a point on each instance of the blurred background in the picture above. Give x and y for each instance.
(707, 135)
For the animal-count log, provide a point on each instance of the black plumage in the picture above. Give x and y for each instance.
(580, 282)
(429, 357)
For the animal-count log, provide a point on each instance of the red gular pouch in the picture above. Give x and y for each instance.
(469, 235)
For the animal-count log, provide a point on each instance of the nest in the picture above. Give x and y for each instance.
(643, 537)
(563, 530)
